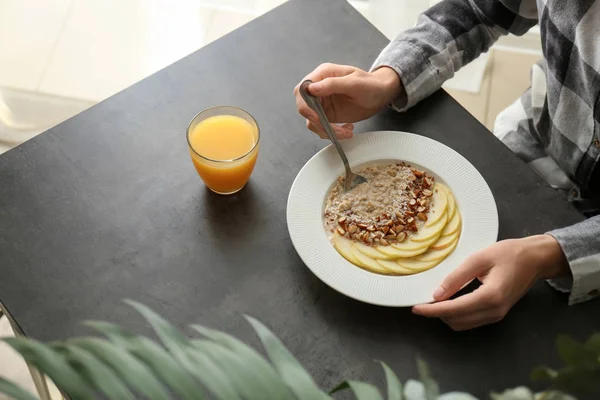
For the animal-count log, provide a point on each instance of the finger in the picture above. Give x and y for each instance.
(472, 321)
(329, 70)
(471, 268)
(316, 128)
(304, 109)
(345, 131)
(461, 306)
(330, 86)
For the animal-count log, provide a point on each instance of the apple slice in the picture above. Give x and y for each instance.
(344, 247)
(451, 200)
(395, 267)
(416, 266)
(439, 255)
(427, 232)
(453, 225)
(440, 204)
(372, 252)
(393, 252)
(445, 241)
(407, 245)
(368, 263)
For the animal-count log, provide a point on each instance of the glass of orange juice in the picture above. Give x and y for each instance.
(223, 143)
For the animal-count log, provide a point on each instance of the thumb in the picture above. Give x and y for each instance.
(330, 86)
(470, 269)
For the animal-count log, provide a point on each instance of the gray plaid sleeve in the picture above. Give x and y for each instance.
(581, 245)
(447, 36)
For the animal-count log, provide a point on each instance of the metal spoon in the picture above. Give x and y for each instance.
(352, 180)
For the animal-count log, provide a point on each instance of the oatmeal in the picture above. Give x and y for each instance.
(391, 205)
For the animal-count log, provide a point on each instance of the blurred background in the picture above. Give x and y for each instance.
(59, 57)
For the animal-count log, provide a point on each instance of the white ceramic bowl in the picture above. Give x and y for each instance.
(306, 204)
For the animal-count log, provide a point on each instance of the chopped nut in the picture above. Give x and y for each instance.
(342, 220)
(398, 215)
(399, 228)
(392, 173)
(417, 173)
(361, 225)
(410, 213)
(427, 193)
(410, 220)
(341, 230)
(389, 237)
(385, 229)
(420, 210)
(371, 228)
(352, 228)
(401, 237)
(412, 202)
(384, 242)
(422, 216)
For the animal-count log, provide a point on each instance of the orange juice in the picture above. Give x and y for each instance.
(224, 149)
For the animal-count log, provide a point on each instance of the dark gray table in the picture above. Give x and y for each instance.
(107, 206)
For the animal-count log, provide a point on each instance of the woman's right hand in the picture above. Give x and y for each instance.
(348, 94)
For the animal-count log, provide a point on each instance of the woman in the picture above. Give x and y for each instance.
(554, 127)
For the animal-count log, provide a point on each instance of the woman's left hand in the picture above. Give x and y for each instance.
(507, 270)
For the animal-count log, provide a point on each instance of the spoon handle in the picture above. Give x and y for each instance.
(314, 103)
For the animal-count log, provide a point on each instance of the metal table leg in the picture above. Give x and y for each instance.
(39, 380)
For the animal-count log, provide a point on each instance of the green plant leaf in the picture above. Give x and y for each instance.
(456, 396)
(95, 372)
(543, 373)
(553, 395)
(364, 391)
(131, 370)
(265, 375)
(394, 387)
(340, 388)
(250, 385)
(414, 390)
(574, 353)
(53, 364)
(361, 390)
(292, 372)
(519, 393)
(196, 363)
(432, 390)
(155, 357)
(15, 392)
(581, 381)
(593, 344)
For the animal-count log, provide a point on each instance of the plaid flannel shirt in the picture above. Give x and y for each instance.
(554, 126)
